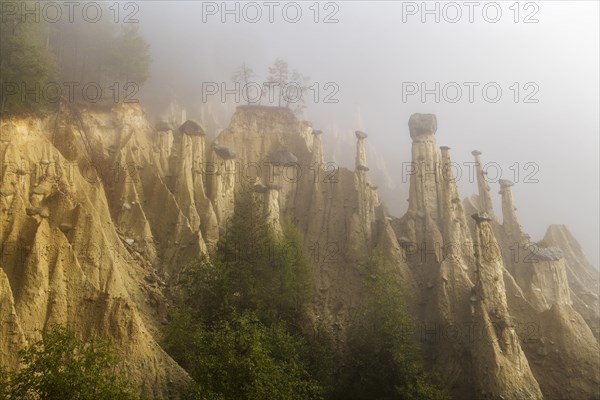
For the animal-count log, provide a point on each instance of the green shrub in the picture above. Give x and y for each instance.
(62, 367)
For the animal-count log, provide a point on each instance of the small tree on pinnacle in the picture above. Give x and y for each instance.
(242, 76)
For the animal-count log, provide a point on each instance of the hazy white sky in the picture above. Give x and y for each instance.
(370, 53)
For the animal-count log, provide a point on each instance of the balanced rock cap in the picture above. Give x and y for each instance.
(283, 156)
(191, 128)
(476, 153)
(362, 168)
(317, 132)
(443, 148)
(260, 188)
(422, 124)
(361, 135)
(163, 126)
(504, 183)
(480, 217)
(224, 152)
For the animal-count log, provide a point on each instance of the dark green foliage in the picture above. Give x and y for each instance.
(131, 62)
(62, 367)
(384, 361)
(324, 361)
(42, 64)
(255, 270)
(26, 62)
(241, 358)
(84, 51)
(4, 382)
(237, 327)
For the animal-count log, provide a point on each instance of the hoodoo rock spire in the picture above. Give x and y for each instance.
(485, 200)
(503, 370)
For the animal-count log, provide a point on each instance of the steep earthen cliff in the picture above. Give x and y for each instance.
(100, 210)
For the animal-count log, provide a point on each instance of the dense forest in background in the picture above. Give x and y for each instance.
(43, 63)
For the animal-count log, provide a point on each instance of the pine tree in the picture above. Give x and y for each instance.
(384, 361)
(278, 74)
(131, 59)
(236, 328)
(290, 86)
(84, 51)
(243, 76)
(27, 64)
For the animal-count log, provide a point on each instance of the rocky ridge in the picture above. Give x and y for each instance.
(100, 211)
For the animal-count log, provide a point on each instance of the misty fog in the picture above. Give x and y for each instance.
(317, 200)
(546, 141)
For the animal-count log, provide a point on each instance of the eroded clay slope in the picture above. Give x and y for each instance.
(101, 210)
